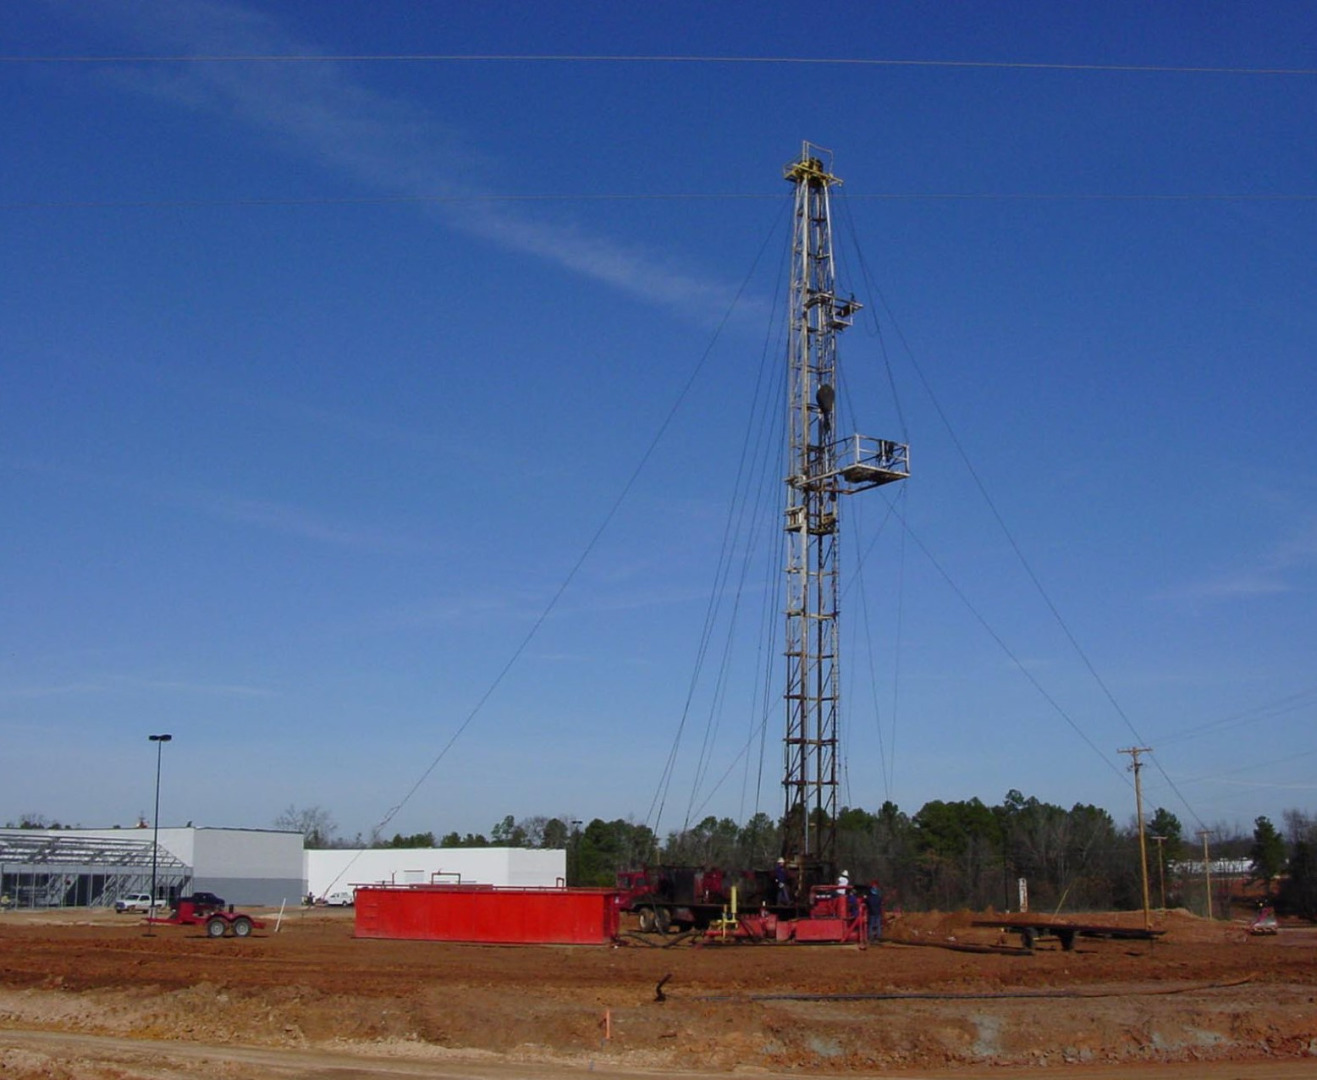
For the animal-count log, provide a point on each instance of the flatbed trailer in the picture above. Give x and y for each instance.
(1067, 933)
(217, 923)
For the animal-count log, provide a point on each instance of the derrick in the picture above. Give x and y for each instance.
(823, 466)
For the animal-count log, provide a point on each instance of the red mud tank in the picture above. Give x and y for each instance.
(487, 914)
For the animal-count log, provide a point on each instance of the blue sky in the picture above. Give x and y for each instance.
(349, 406)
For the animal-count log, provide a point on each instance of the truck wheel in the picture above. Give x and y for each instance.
(242, 926)
(662, 920)
(215, 926)
(648, 923)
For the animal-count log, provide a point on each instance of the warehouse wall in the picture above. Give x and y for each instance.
(249, 866)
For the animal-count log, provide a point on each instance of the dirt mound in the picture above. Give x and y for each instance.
(1204, 991)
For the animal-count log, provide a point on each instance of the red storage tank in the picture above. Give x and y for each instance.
(485, 913)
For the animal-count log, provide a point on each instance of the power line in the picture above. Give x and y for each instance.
(1218, 777)
(551, 58)
(1028, 570)
(1260, 784)
(1268, 711)
(1084, 196)
(611, 512)
(1001, 644)
(884, 196)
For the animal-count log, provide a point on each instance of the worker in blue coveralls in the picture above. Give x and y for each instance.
(873, 900)
(782, 882)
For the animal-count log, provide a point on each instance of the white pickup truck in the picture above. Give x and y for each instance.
(137, 901)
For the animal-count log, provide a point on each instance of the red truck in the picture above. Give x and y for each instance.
(689, 897)
(699, 898)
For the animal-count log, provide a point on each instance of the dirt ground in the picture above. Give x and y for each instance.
(89, 996)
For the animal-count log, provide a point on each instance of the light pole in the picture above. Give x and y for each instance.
(159, 741)
(576, 852)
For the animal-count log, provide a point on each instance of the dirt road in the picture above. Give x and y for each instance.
(1205, 993)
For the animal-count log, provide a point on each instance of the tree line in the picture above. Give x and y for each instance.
(947, 855)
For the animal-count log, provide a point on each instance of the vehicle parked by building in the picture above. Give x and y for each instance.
(137, 902)
(202, 901)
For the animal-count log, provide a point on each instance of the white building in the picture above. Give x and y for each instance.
(41, 868)
(335, 870)
(95, 867)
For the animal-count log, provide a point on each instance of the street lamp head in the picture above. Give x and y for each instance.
(160, 738)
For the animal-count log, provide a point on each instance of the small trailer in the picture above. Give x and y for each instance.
(218, 923)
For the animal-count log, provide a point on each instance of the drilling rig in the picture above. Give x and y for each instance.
(823, 466)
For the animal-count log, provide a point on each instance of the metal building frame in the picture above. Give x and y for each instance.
(47, 870)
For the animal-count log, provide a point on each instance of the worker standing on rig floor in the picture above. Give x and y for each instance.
(847, 905)
(873, 902)
(783, 885)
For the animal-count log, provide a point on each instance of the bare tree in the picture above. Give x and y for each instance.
(314, 823)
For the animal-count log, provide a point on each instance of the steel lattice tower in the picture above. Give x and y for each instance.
(822, 468)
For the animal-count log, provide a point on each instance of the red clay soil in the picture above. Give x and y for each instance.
(937, 994)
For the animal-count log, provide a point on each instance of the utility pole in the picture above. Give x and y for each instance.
(1136, 766)
(821, 468)
(1161, 869)
(1207, 869)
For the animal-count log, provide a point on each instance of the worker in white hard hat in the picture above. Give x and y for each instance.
(845, 895)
